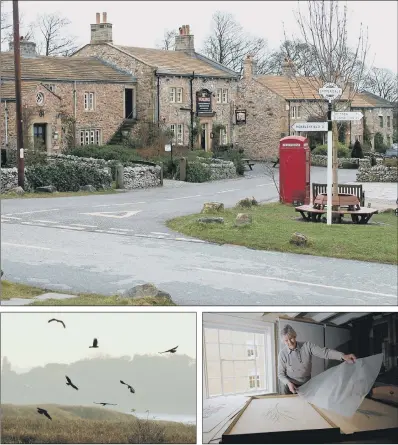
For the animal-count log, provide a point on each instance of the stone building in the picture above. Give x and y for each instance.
(81, 100)
(180, 90)
(273, 104)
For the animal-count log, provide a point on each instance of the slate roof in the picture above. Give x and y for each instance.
(63, 69)
(7, 89)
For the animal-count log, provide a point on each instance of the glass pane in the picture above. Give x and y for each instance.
(225, 336)
(211, 335)
(227, 369)
(259, 339)
(214, 387)
(213, 369)
(226, 352)
(240, 352)
(260, 353)
(237, 337)
(212, 352)
(242, 384)
(229, 385)
(241, 368)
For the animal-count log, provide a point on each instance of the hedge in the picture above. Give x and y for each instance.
(342, 150)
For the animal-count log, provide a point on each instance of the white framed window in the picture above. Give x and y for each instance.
(178, 133)
(173, 130)
(90, 137)
(222, 95)
(224, 136)
(295, 112)
(50, 86)
(40, 98)
(388, 121)
(89, 101)
(238, 356)
(381, 121)
(176, 95)
(179, 95)
(172, 95)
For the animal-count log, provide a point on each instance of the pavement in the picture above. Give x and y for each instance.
(106, 244)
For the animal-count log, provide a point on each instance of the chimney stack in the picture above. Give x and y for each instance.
(288, 68)
(28, 49)
(249, 67)
(185, 41)
(104, 17)
(101, 32)
(98, 18)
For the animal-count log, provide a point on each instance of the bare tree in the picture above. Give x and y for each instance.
(48, 33)
(228, 44)
(168, 41)
(324, 29)
(5, 24)
(382, 82)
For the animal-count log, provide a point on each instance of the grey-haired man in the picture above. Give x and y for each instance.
(295, 360)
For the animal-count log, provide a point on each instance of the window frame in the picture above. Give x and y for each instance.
(181, 91)
(180, 134)
(381, 122)
(223, 132)
(172, 95)
(226, 93)
(173, 140)
(388, 121)
(87, 135)
(87, 96)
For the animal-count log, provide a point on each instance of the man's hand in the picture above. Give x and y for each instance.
(349, 358)
(292, 387)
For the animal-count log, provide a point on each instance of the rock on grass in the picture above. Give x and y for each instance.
(299, 239)
(212, 207)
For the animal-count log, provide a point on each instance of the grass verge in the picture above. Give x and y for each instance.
(14, 290)
(28, 195)
(274, 224)
(80, 424)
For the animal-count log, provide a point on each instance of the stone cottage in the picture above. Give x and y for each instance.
(181, 90)
(80, 100)
(274, 103)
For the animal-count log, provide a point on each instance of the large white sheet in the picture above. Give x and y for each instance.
(342, 388)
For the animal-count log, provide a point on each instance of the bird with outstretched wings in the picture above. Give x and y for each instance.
(44, 412)
(132, 390)
(172, 350)
(69, 383)
(95, 344)
(59, 321)
(105, 403)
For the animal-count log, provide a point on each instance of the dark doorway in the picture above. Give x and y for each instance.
(128, 103)
(39, 136)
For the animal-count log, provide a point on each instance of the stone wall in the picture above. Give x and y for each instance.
(220, 169)
(322, 161)
(142, 176)
(9, 180)
(377, 173)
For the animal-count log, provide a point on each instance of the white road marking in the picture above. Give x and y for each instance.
(226, 191)
(45, 221)
(183, 197)
(122, 204)
(26, 246)
(263, 185)
(325, 286)
(161, 233)
(121, 230)
(83, 225)
(14, 217)
(118, 215)
(35, 211)
(114, 232)
(69, 227)
(28, 223)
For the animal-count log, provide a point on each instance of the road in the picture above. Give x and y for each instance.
(109, 243)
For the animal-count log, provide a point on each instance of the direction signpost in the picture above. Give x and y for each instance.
(310, 126)
(330, 91)
(347, 116)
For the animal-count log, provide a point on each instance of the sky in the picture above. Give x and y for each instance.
(28, 340)
(142, 24)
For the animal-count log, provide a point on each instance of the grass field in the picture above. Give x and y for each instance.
(79, 424)
(28, 195)
(274, 224)
(14, 290)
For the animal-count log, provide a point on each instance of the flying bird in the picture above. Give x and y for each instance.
(172, 350)
(104, 403)
(69, 383)
(44, 412)
(59, 321)
(132, 390)
(95, 344)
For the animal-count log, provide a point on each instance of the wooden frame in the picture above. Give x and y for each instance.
(352, 189)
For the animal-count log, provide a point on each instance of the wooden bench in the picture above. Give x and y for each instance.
(351, 189)
(249, 162)
(361, 216)
(275, 163)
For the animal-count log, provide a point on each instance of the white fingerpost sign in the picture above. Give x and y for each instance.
(310, 126)
(347, 115)
(330, 91)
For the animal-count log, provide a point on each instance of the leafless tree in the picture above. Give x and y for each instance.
(49, 34)
(324, 29)
(382, 82)
(228, 43)
(5, 23)
(168, 41)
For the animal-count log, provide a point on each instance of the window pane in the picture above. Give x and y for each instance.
(242, 384)
(212, 352)
(227, 369)
(213, 369)
(240, 352)
(226, 351)
(225, 336)
(237, 337)
(259, 339)
(214, 386)
(211, 335)
(229, 385)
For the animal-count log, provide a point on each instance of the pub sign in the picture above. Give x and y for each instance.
(240, 117)
(203, 102)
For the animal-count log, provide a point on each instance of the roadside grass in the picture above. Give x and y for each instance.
(28, 195)
(14, 290)
(274, 224)
(80, 424)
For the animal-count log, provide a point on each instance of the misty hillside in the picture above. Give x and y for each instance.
(162, 384)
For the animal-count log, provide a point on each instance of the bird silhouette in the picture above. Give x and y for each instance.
(95, 344)
(132, 390)
(59, 321)
(104, 403)
(69, 383)
(172, 350)
(44, 412)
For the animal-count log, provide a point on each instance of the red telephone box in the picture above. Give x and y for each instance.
(294, 170)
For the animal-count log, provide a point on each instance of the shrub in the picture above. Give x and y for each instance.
(380, 147)
(351, 165)
(235, 156)
(393, 162)
(342, 150)
(170, 167)
(196, 172)
(31, 157)
(357, 150)
(108, 152)
(67, 176)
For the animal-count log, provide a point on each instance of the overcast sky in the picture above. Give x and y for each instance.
(28, 340)
(142, 24)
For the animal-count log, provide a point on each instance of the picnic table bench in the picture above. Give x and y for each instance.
(361, 216)
(351, 189)
(249, 162)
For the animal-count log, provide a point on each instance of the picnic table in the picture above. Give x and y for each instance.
(361, 216)
(249, 162)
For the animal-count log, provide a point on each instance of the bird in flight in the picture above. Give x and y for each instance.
(104, 403)
(69, 383)
(172, 350)
(59, 321)
(95, 344)
(132, 390)
(43, 411)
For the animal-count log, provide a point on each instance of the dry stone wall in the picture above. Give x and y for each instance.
(377, 173)
(142, 176)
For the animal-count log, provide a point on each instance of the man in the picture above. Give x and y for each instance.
(295, 360)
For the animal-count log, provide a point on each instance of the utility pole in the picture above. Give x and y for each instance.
(18, 95)
(330, 165)
(192, 110)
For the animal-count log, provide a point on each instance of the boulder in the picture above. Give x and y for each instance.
(146, 290)
(246, 202)
(87, 188)
(18, 190)
(212, 207)
(299, 239)
(210, 220)
(254, 201)
(46, 189)
(243, 219)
